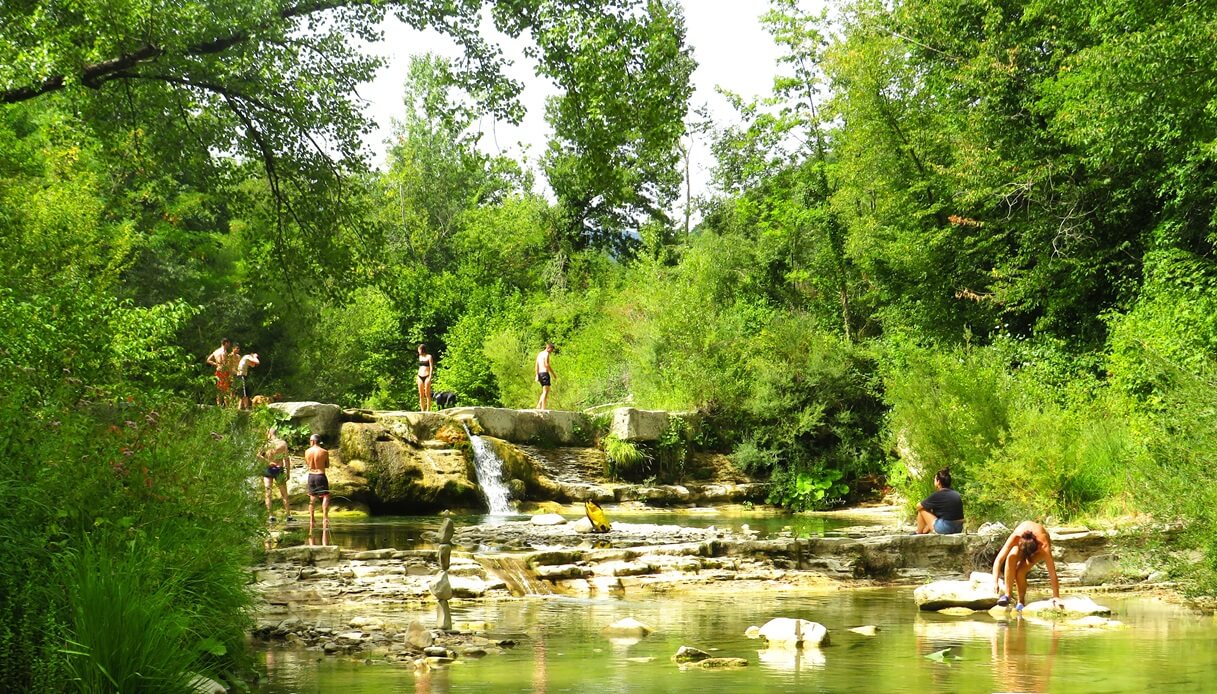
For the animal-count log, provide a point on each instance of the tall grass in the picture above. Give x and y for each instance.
(128, 633)
(626, 460)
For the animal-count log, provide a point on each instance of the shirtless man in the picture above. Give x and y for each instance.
(1027, 545)
(545, 374)
(243, 374)
(219, 360)
(318, 459)
(275, 455)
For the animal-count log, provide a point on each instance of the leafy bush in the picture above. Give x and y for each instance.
(1021, 441)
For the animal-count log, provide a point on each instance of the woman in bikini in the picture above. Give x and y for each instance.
(426, 368)
(1027, 546)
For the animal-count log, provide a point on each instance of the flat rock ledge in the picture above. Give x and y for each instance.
(504, 562)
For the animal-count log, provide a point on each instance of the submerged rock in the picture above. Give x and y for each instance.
(688, 654)
(548, 519)
(628, 627)
(1070, 606)
(868, 630)
(722, 663)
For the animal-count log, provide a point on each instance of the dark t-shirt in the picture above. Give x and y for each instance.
(944, 504)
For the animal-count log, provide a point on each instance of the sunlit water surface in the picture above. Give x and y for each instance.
(1162, 648)
(416, 532)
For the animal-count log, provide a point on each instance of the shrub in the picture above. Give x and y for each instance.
(626, 460)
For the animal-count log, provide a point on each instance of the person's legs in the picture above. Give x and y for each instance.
(1022, 572)
(287, 511)
(427, 388)
(421, 392)
(312, 501)
(543, 403)
(244, 395)
(325, 512)
(925, 521)
(1011, 567)
(266, 483)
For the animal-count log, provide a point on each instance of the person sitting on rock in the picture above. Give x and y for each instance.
(942, 511)
(1027, 546)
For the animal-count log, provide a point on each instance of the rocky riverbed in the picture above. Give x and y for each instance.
(343, 601)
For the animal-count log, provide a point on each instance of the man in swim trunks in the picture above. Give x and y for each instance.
(276, 473)
(219, 360)
(1027, 545)
(318, 460)
(242, 374)
(545, 374)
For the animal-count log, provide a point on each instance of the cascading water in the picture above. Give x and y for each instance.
(489, 468)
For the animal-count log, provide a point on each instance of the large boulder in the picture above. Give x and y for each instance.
(785, 632)
(320, 418)
(975, 593)
(413, 427)
(630, 424)
(405, 479)
(547, 427)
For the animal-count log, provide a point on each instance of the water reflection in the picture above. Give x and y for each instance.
(1015, 668)
(325, 536)
(793, 660)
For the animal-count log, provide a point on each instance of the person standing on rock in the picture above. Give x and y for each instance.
(276, 473)
(942, 511)
(243, 374)
(545, 374)
(426, 371)
(1028, 545)
(318, 461)
(219, 360)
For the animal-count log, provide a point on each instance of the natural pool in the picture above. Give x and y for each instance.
(1162, 648)
(412, 532)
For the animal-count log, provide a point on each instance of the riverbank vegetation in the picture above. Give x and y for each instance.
(968, 235)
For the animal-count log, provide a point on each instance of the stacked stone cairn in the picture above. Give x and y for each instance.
(442, 588)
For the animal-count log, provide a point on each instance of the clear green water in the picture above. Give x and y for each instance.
(1162, 649)
(409, 532)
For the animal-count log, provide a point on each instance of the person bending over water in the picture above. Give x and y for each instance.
(318, 460)
(1027, 546)
(426, 369)
(942, 511)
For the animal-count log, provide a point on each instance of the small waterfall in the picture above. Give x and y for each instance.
(489, 470)
(520, 580)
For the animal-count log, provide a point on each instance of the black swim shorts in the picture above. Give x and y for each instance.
(318, 484)
(273, 471)
(543, 378)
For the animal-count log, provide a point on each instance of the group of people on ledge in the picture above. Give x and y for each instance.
(942, 512)
(543, 373)
(229, 362)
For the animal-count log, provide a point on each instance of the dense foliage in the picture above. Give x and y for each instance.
(968, 234)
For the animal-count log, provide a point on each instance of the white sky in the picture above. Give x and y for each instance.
(729, 45)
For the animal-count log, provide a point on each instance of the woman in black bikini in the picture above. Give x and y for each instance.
(426, 367)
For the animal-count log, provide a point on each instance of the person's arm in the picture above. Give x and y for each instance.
(323, 459)
(211, 359)
(1051, 566)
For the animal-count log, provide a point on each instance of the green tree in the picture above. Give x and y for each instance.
(613, 161)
